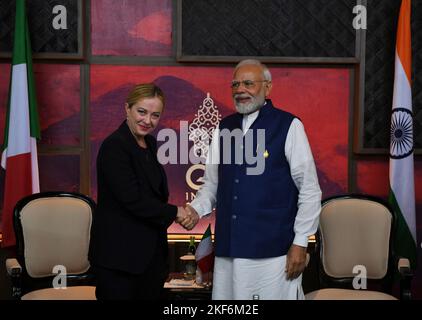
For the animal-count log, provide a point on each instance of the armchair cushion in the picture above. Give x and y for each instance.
(70, 293)
(345, 294)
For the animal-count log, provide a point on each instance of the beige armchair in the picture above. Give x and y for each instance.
(52, 240)
(355, 253)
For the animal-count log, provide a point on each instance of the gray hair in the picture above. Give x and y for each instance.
(265, 71)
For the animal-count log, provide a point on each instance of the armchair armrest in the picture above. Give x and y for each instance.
(406, 276)
(14, 270)
(403, 265)
(13, 267)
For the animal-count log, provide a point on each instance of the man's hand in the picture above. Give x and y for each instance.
(189, 219)
(181, 214)
(295, 262)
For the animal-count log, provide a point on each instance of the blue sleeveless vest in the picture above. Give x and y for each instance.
(256, 213)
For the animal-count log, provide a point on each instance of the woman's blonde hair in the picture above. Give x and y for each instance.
(144, 90)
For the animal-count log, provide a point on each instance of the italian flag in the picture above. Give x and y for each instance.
(402, 186)
(19, 157)
(204, 254)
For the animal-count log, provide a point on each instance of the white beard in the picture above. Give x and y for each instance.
(246, 108)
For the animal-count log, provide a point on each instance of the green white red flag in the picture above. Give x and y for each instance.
(19, 157)
(204, 255)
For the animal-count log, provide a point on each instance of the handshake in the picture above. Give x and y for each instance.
(187, 217)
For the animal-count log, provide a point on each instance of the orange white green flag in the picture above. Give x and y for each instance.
(402, 185)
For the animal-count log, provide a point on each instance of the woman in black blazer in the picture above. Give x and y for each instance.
(128, 248)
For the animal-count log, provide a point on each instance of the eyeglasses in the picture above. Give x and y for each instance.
(248, 84)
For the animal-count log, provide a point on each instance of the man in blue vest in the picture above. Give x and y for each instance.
(264, 219)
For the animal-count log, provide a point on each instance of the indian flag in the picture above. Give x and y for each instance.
(402, 186)
(19, 156)
(204, 254)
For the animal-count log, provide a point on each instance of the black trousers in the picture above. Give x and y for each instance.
(119, 285)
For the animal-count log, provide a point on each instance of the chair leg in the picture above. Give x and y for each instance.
(405, 290)
(16, 286)
(406, 276)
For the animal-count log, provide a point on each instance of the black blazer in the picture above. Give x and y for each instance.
(132, 215)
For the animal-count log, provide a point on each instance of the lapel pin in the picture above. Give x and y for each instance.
(266, 154)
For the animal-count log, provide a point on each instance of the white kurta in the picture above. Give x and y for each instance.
(236, 278)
